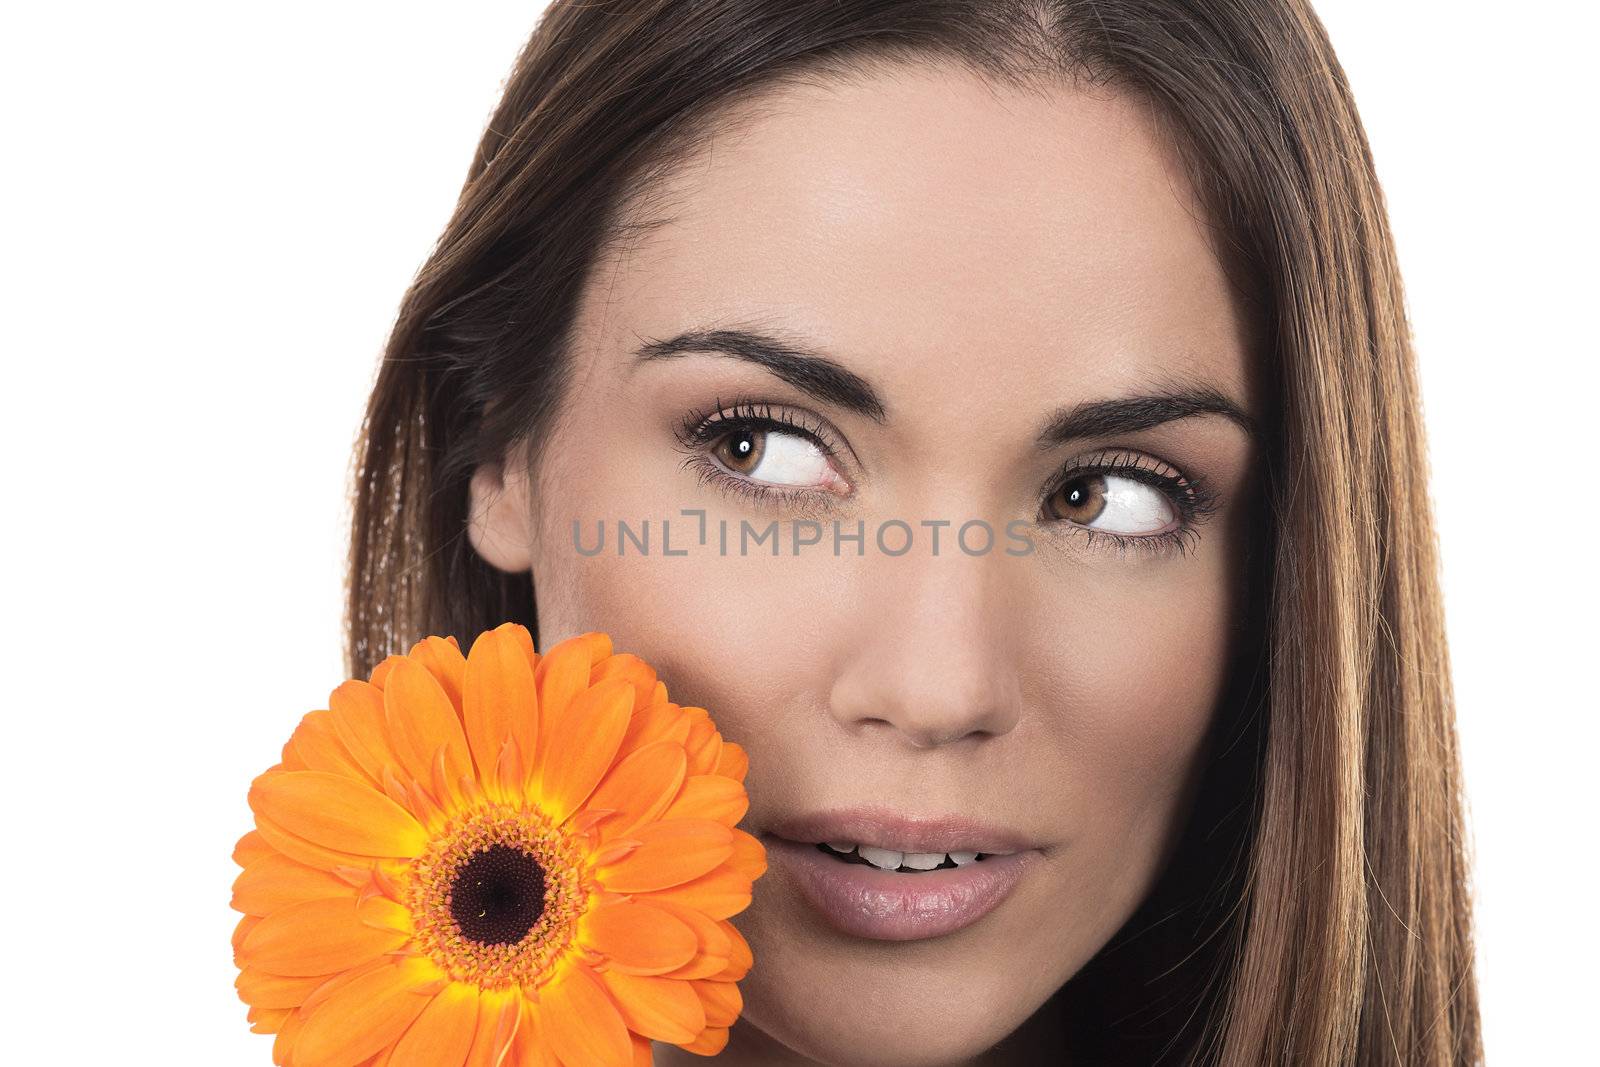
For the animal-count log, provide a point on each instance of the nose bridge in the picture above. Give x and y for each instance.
(933, 655)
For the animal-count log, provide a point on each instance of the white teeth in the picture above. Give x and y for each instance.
(883, 858)
(888, 859)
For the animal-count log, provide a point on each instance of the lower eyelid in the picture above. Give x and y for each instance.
(1178, 540)
(802, 500)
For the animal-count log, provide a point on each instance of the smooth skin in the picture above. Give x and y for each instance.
(983, 258)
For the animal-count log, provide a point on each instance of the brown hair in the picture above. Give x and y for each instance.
(1317, 911)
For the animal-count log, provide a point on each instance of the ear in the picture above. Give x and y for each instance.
(499, 519)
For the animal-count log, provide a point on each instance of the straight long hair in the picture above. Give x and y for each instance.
(1317, 911)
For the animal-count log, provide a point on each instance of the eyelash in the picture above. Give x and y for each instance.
(698, 429)
(1190, 496)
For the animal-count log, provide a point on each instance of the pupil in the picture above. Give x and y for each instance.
(743, 449)
(1083, 499)
(497, 895)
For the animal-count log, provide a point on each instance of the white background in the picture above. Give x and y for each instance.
(210, 214)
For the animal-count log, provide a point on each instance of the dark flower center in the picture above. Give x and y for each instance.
(497, 895)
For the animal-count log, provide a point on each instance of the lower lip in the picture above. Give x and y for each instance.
(864, 901)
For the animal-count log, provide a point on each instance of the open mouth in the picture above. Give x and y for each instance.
(899, 862)
(896, 905)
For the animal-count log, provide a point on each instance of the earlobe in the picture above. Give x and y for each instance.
(498, 520)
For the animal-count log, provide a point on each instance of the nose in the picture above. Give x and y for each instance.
(932, 652)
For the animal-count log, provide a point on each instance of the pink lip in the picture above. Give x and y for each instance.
(864, 901)
(886, 828)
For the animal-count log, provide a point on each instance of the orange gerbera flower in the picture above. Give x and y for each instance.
(503, 859)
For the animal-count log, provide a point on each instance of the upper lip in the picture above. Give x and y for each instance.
(900, 832)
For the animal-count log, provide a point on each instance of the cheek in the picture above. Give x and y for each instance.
(709, 622)
(743, 637)
(1137, 697)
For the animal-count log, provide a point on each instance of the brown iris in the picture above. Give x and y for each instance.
(741, 451)
(1080, 500)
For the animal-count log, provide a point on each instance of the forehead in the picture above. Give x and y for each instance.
(925, 224)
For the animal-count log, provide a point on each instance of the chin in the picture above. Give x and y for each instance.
(843, 1022)
(912, 1050)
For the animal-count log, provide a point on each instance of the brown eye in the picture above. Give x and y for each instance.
(1113, 503)
(775, 457)
(741, 450)
(1080, 500)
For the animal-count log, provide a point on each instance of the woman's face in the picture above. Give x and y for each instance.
(909, 301)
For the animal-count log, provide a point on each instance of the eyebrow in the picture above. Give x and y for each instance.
(807, 369)
(1106, 418)
(825, 378)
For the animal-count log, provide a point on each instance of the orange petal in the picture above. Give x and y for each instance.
(524, 639)
(298, 848)
(268, 1020)
(262, 990)
(380, 673)
(740, 960)
(662, 1009)
(719, 894)
(366, 1015)
(510, 770)
(599, 645)
(562, 673)
(357, 710)
(241, 930)
(710, 796)
(319, 937)
(442, 1035)
(251, 847)
(499, 1016)
(643, 1054)
(712, 1040)
(613, 852)
(734, 762)
(421, 717)
(342, 979)
(722, 1001)
(291, 760)
(713, 946)
(582, 744)
(276, 881)
(657, 722)
(316, 742)
(442, 658)
(581, 1020)
(531, 1048)
(338, 813)
(669, 854)
(499, 699)
(749, 855)
(704, 744)
(639, 674)
(639, 787)
(638, 938)
(283, 1044)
